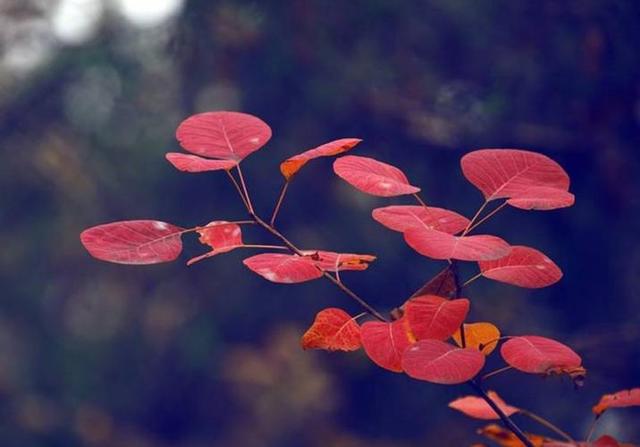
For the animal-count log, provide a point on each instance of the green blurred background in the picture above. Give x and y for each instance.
(91, 91)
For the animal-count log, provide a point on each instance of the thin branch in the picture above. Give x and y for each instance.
(488, 216)
(542, 421)
(235, 183)
(592, 428)
(244, 188)
(506, 420)
(419, 199)
(497, 371)
(268, 247)
(463, 339)
(283, 192)
(475, 216)
(472, 279)
(339, 284)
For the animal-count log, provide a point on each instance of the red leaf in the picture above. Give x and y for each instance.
(542, 198)
(282, 268)
(438, 245)
(509, 173)
(524, 267)
(334, 330)
(221, 236)
(225, 135)
(478, 408)
(373, 176)
(193, 163)
(402, 217)
(439, 362)
(539, 355)
(433, 317)
(602, 441)
(133, 241)
(292, 165)
(624, 398)
(384, 343)
(330, 261)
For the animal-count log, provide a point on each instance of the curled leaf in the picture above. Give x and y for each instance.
(333, 330)
(193, 163)
(133, 242)
(330, 261)
(482, 336)
(292, 165)
(372, 176)
(524, 267)
(439, 245)
(478, 408)
(224, 135)
(281, 268)
(624, 398)
(402, 217)
(439, 362)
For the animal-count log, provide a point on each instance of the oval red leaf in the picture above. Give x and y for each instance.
(286, 269)
(542, 198)
(225, 135)
(292, 165)
(434, 317)
(439, 362)
(193, 163)
(539, 355)
(506, 173)
(402, 217)
(133, 242)
(624, 398)
(478, 408)
(333, 330)
(221, 236)
(373, 177)
(524, 267)
(330, 261)
(384, 343)
(438, 245)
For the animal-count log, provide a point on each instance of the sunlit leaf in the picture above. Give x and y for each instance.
(539, 355)
(624, 398)
(384, 343)
(193, 163)
(330, 261)
(439, 245)
(505, 438)
(221, 236)
(431, 316)
(283, 268)
(478, 408)
(542, 198)
(224, 135)
(439, 362)
(333, 330)
(482, 336)
(292, 165)
(133, 241)
(373, 176)
(402, 217)
(510, 173)
(524, 267)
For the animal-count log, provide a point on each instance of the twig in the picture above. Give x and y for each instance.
(488, 216)
(472, 279)
(473, 219)
(542, 421)
(244, 188)
(235, 183)
(283, 191)
(497, 371)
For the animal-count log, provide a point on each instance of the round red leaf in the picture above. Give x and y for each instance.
(524, 267)
(373, 176)
(439, 362)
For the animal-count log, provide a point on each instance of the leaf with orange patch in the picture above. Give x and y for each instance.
(624, 398)
(482, 336)
(505, 438)
(384, 342)
(333, 330)
(292, 165)
(476, 407)
(330, 261)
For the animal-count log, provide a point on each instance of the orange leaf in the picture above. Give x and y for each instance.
(506, 438)
(292, 165)
(333, 330)
(624, 398)
(481, 336)
(478, 408)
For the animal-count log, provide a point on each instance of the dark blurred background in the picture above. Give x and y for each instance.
(91, 91)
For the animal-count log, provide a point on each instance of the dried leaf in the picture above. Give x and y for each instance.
(292, 165)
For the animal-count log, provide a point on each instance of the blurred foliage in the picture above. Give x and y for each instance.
(103, 355)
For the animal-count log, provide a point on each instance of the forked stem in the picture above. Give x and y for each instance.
(244, 188)
(473, 219)
(488, 216)
(235, 183)
(542, 421)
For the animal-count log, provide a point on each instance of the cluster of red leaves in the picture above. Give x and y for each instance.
(428, 338)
